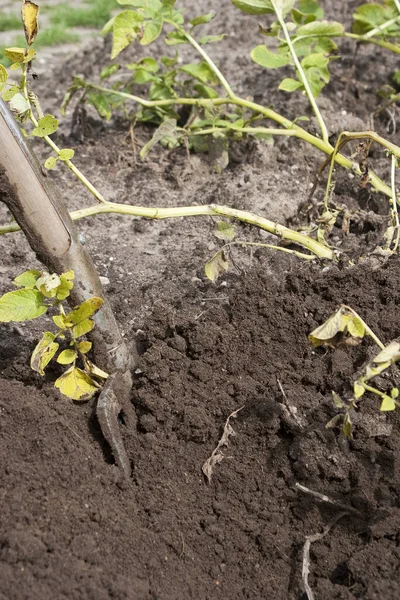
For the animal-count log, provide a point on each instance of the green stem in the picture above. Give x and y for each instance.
(394, 209)
(259, 245)
(314, 105)
(54, 146)
(298, 131)
(369, 388)
(281, 231)
(207, 59)
(376, 41)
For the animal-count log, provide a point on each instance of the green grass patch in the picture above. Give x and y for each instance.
(10, 22)
(94, 14)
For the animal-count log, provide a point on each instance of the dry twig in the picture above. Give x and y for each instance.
(217, 455)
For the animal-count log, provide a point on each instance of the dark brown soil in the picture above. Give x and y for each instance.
(71, 527)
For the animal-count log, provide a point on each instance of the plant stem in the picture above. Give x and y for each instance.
(208, 60)
(314, 105)
(54, 146)
(297, 131)
(394, 209)
(260, 245)
(281, 231)
(376, 41)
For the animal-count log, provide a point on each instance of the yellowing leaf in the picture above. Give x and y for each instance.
(390, 353)
(388, 404)
(327, 331)
(66, 154)
(46, 126)
(59, 321)
(356, 328)
(225, 231)
(44, 352)
(21, 305)
(76, 384)
(125, 27)
(96, 371)
(84, 347)
(216, 266)
(50, 162)
(358, 390)
(394, 392)
(48, 283)
(66, 285)
(82, 328)
(66, 357)
(85, 310)
(16, 55)
(27, 279)
(30, 19)
(338, 402)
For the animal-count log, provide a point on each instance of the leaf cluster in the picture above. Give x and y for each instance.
(311, 39)
(346, 327)
(41, 291)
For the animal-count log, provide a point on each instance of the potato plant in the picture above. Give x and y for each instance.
(346, 327)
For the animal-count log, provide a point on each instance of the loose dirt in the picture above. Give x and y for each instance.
(71, 527)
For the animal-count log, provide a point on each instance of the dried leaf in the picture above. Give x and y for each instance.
(30, 13)
(217, 455)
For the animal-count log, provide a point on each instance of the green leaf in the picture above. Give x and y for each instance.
(264, 57)
(126, 27)
(320, 28)
(203, 19)
(210, 39)
(10, 93)
(225, 231)
(387, 404)
(76, 384)
(151, 31)
(44, 352)
(216, 266)
(394, 392)
(254, 7)
(66, 357)
(46, 126)
(82, 328)
(27, 279)
(50, 162)
(166, 129)
(85, 310)
(109, 70)
(146, 64)
(204, 91)
(174, 38)
(200, 71)
(21, 305)
(101, 104)
(315, 60)
(290, 85)
(19, 105)
(66, 154)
